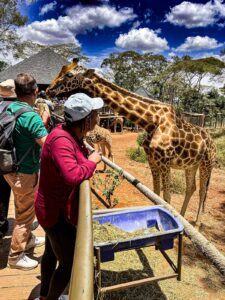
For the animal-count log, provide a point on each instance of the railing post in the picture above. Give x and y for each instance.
(82, 276)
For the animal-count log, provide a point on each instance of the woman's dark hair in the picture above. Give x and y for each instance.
(70, 124)
(25, 84)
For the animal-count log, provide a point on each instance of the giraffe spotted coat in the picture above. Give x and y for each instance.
(102, 138)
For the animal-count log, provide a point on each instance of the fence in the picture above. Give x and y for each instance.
(203, 120)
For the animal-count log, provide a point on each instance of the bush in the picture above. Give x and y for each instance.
(220, 145)
(218, 135)
(177, 184)
(137, 154)
(108, 184)
(141, 137)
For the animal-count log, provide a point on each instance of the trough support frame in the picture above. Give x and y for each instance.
(134, 283)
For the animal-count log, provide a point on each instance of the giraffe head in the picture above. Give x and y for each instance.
(70, 79)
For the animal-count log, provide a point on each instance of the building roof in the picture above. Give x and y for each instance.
(141, 91)
(44, 66)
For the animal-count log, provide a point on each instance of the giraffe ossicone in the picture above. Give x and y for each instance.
(171, 142)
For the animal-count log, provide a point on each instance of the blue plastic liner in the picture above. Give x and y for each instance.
(131, 220)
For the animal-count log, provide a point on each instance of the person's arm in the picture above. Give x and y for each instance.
(36, 129)
(41, 140)
(66, 160)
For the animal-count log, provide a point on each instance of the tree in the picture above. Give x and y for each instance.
(193, 71)
(132, 70)
(10, 18)
(3, 65)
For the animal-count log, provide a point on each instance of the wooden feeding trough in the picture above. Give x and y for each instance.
(166, 228)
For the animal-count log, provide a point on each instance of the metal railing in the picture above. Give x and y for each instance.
(82, 276)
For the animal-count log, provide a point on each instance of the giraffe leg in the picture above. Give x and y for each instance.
(190, 175)
(110, 155)
(103, 153)
(156, 179)
(165, 173)
(205, 174)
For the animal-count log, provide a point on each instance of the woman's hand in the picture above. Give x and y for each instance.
(95, 156)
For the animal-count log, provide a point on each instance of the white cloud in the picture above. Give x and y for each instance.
(78, 19)
(197, 43)
(136, 24)
(220, 7)
(193, 15)
(47, 32)
(171, 54)
(47, 7)
(143, 39)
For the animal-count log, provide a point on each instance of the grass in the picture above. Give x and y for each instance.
(177, 184)
(137, 154)
(219, 138)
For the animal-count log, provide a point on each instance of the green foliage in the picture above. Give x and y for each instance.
(3, 65)
(108, 185)
(141, 137)
(177, 82)
(132, 70)
(220, 145)
(198, 67)
(219, 139)
(137, 154)
(10, 18)
(177, 183)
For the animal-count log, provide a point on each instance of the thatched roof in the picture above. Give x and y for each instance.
(142, 92)
(44, 66)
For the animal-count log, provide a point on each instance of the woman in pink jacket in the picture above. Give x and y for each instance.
(65, 163)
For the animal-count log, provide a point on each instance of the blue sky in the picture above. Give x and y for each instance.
(195, 28)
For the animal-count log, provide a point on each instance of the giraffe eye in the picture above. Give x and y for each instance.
(69, 75)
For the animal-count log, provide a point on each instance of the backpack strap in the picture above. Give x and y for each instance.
(25, 155)
(18, 113)
(4, 105)
(21, 111)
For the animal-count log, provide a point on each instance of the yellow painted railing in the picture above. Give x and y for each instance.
(82, 276)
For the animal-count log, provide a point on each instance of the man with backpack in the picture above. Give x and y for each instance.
(7, 96)
(28, 136)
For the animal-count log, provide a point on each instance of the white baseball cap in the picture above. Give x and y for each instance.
(80, 105)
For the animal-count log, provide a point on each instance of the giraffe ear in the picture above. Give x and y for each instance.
(89, 72)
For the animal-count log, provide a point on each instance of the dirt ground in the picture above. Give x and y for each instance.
(200, 280)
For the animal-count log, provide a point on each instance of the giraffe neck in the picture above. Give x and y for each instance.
(144, 112)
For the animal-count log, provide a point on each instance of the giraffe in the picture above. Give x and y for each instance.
(102, 138)
(118, 120)
(170, 143)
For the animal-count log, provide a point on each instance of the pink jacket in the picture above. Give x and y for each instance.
(64, 165)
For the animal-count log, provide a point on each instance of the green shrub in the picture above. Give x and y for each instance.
(111, 181)
(218, 135)
(220, 145)
(137, 154)
(177, 184)
(141, 137)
